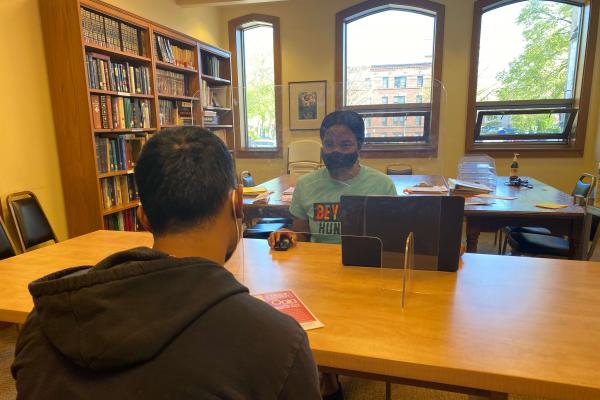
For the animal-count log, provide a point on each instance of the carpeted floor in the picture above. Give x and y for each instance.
(354, 389)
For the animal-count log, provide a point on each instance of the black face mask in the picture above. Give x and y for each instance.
(336, 160)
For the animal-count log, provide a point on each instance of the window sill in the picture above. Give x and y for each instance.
(408, 150)
(527, 150)
(246, 153)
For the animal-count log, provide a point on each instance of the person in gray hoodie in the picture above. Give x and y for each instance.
(167, 322)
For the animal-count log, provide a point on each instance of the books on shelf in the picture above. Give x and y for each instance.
(100, 30)
(216, 96)
(118, 153)
(117, 77)
(175, 113)
(118, 190)
(211, 65)
(116, 112)
(171, 53)
(172, 83)
(122, 221)
(211, 117)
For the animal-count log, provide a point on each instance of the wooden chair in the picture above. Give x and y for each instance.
(30, 220)
(303, 156)
(7, 247)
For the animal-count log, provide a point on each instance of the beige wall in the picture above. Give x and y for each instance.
(307, 39)
(28, 156)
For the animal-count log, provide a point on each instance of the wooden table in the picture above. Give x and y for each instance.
(484, 218)
(520, 325)
(523, 212)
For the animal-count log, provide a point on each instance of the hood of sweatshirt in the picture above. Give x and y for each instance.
(128, 307)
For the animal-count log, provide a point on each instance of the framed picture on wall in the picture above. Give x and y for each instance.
(308, 104)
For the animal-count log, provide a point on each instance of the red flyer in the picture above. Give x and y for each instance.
(288, 303)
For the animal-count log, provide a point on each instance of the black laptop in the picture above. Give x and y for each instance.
(375, 228)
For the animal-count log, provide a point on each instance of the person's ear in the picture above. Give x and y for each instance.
(237, 199)
(143, 219)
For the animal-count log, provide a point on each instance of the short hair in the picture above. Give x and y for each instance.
(349, 119)
(184, 176)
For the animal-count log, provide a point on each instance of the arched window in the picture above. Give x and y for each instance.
(531, 71)
(256, 61)
(392, 49)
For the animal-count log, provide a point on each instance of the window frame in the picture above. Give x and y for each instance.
(428, 145)
(581, 98)
(235, 26)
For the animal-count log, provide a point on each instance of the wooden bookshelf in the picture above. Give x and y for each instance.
(95, 50)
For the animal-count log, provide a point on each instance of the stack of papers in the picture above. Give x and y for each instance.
(262, 198)
(426, 189)
(464, 187)
(254, 190)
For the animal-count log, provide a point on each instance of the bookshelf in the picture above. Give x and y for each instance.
(115, 80)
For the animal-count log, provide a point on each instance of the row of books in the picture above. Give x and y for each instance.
(118, 153)
(116, 112)
(173, 54)
(117, 77)
(104, 31)
(210, 117)
(211, 65)
(175, 112)
(217, 96)
(172, 83)
(118, 190)
(122, 221)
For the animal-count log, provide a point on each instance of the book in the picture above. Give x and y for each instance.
(172, 83)
(122, 221)
(463, 187)
(116, 191)
(96, 116)
(172, 53)
(426, 190)
(107, 32)
(104, 74)
(211, 65)
(287, 302)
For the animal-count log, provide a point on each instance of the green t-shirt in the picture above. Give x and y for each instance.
(317, 199)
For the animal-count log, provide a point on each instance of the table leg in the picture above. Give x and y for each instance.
(578, 238)
(472, 237)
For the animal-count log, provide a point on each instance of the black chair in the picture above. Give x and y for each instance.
(32, 224)
(7, 247)
(538, 241)
(263, 227)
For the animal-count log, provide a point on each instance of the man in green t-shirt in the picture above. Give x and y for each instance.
(316, 201)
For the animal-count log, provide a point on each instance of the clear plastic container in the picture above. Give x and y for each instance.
(478, 168)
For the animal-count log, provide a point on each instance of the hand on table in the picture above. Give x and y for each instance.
(274, 237)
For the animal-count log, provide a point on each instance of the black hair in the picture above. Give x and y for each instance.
(349, 119)
(184, 176)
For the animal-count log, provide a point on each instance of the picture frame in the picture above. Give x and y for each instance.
(307, 104)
